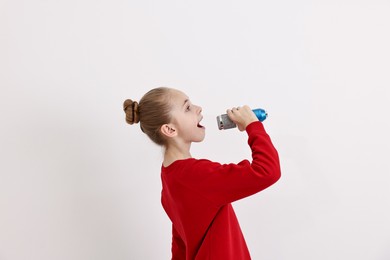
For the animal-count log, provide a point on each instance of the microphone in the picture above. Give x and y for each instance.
(224, 121)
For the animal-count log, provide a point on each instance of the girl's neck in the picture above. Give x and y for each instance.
(174, 153)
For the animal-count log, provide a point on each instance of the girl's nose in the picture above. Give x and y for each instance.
(199, 109)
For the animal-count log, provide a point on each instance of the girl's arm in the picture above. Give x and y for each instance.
(225, 183)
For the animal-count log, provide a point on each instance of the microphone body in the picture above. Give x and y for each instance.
(224, 121)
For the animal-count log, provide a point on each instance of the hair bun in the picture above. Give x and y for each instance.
(131, 109)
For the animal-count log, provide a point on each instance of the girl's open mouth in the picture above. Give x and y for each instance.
(199, 125)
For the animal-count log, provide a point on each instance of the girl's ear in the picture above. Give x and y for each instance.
(168, 130)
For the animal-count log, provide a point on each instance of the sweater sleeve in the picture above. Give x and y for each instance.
(225, 183)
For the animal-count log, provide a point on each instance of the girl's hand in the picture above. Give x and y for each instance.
(242, 116)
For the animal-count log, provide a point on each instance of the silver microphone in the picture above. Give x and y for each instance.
(224, 121)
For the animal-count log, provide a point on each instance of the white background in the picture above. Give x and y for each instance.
(77, 182)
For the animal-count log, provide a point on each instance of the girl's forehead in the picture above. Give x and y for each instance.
(179, 97)
(179, 93)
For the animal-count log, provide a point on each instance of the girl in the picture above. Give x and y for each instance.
(197, 193)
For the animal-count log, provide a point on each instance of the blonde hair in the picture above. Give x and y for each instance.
(152, 111)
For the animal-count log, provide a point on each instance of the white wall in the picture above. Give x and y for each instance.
(77, 183)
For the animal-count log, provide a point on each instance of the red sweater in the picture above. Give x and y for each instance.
(196, 195)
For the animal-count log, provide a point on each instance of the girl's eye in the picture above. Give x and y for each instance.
(188, 108)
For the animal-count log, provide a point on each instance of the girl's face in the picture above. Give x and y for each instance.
(186, 118)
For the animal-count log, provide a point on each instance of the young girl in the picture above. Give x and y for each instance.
(197, 193)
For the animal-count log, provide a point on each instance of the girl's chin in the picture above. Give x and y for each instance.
(200, 139)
